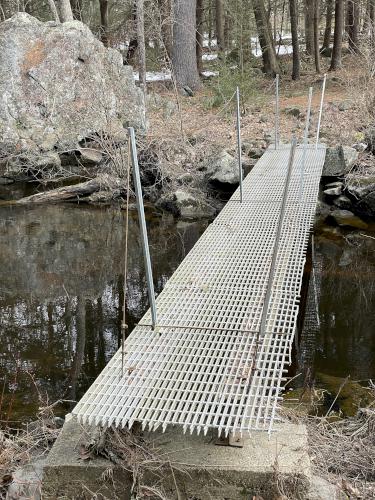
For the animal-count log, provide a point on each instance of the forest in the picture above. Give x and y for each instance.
(213, 101)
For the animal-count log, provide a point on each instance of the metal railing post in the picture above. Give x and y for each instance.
(320, 110)
(277, 113)
(142, 223)
(239, 145)
(305, 141)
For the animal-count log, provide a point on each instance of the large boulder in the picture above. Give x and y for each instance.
(222, 170)
(339, 161)
(59, 86)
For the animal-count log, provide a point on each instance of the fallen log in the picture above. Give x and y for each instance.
(75, 192)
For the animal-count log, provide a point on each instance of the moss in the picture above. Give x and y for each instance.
(350, 395)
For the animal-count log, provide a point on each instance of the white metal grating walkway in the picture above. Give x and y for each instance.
(207, 366)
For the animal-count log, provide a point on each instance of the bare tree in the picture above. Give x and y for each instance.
(316, 36)
(184, 57)
(295, 43)
(200, 35)
(141, 44)
(337, 38)
(328, 27)
(309, 26)
(270, 63)
(353, 24)
(104, 21)
(220, 24)
(166, 17)
(65, 10)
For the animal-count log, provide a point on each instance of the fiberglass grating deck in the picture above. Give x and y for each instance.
(207, 365)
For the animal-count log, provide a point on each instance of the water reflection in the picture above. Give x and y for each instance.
(342, 343)
(61, 290)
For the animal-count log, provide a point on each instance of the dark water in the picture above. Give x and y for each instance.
(61, 290)
(61, 294)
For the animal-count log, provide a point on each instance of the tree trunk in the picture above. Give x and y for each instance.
(353, 22)
(309, 26)
(166, 16)
(328, 28)
(76, 9)
(295, 43)
(65, 11)
(337, 37)
(199, 36)
(104, 21)
(270, 63)
(141, 44)
(210, 24)
(220, 24)
(54, 11)
(184, 57)
(316, 36)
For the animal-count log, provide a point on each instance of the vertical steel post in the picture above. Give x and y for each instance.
(277, 113)
(142, 223)
(305, 141)
(320, 111)
(239, 145)
(267, 298)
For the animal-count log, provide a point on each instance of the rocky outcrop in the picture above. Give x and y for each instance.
(339, 161)
(59, 86)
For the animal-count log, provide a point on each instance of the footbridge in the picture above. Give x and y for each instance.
(217, 356)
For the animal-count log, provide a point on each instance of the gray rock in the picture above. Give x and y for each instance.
(334, 184)
(59, 85)
(342, 202)
(362, 189)
(360, 147)
(4, 181)
(90, 156)
(333, 191)
(222, 169)
(185, 178)
(249, 149)
(184, 204)
(345, 105)
(347, 218)
(293, 111)
(339, 161)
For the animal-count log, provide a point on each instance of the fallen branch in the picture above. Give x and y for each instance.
(76, 191)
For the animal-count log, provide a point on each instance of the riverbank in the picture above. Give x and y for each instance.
(338, 458)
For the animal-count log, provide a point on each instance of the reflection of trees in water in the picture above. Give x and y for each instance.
(345, 341)
(60, 309)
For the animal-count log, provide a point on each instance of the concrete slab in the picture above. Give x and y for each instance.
(198, 469)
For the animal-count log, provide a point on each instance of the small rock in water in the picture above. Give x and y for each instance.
(334, 184)
(334, 191)
(347, 218)
(346, 258)
(342, 202)
(4, 181)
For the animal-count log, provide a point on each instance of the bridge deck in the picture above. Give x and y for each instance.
(207, 366)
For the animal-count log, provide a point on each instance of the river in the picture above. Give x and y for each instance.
(61, 294)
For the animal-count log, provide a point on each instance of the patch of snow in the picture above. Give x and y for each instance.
(209, 57)
(154, 76)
